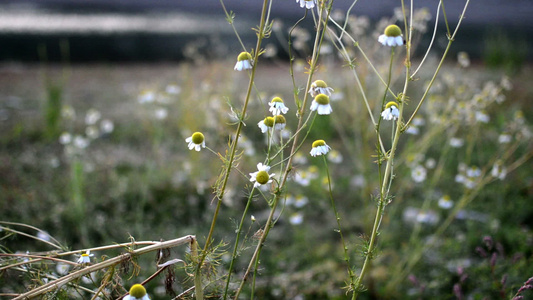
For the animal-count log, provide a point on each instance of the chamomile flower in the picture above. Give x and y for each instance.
(392, 36)
(321, 104)
(296, 218)
(320, 87)
(445, 202)
(319, 148)
(279, 122)
(307, 3)
(85, 258)
(261, 177)
(196, 141)
(391, 111)
(244, 61)
(268, 122)
(137, 292)
(277, 107)
(418, 173)
(498, 171)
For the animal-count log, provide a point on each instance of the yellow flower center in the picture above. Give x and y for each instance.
(280, 119)
(393, 30)
(320, 84)
(319, 143)
(197, 138)
(322, 99)
(391, 103)
(269, 121)
(262, 177)
(244, 56)
(277, 99)
(137, 291)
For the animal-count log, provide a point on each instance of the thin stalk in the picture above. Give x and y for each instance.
(107, 263)
(385, 184)
(234, 254)
(314, 58)
(233, 150)
(450, 41)
(339, 229)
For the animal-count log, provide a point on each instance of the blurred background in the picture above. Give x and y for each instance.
(144, 30)
(97, 98)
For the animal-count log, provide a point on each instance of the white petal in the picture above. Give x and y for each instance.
(314, 105)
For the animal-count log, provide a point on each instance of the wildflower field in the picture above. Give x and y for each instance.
(352, 170)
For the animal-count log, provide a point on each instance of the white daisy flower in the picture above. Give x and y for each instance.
(137, 292)
(320, 87)
(456, 142)
(302, 178)
(419, 174)
(196, 141)
(300, 201)
(268, 122)
(307, 3)
(92, 116)
(482, 117)
(321, 105)
(279, 122)
(277, 106)
(335, 157)
(391, 111)
(392, 36)
(320, 148)
(244, 61)
(498, 171)
(445, 202)
(85, 258)
(296, 218)
(504, 138)
(261, 177)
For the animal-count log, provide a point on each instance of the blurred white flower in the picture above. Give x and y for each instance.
(296, 218)
(65, 138)
(107, 126)
(482, 117)
(463, 59)
(173, 89)
(161, 113)
(85, 258)
(498, 171)
(445, 202)
(504, 138)
(92, 132)
(302, 178)
(300, 201)
(146, 96)
(80, 142)
(307, 3)
(335, 157)
(418, 174)
(456, 142)
(92, 116)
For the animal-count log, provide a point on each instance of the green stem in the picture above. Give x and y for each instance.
(229, 165)
(339, 230)
(234, 254)
(269, 224)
